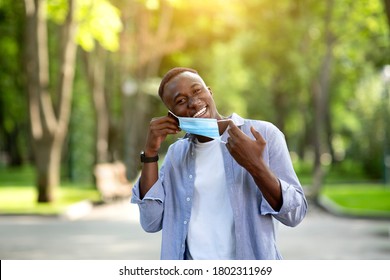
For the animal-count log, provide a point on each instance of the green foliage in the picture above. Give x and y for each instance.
(229, 88)
(348, 171)
(97, 20)
(366, 133)
(80, 156)
(261, 59)
(13, 104)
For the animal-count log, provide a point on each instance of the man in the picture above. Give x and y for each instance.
(215, 198)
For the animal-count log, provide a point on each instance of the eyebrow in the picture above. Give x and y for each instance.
(179, 93)
(176, 95)
(196, 84)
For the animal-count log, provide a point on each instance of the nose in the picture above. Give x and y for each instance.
(192, 102)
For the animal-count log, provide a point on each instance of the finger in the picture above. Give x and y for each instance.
(172, 116)
(159, 123)
(257, 135)
(169, 131)
(232, 125)
(165, 129)
(163, 120)
(233, 129)
(228, 144)
(158, 133)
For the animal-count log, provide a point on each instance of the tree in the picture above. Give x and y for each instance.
(14, 144)
(320, 91)
(146, 39)
(49, 111)
(101, 23)
(387, 10)
(94, 62)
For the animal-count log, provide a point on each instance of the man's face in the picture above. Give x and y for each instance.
(186, 95)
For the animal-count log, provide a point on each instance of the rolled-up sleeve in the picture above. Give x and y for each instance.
(294, 205)
(151, 206)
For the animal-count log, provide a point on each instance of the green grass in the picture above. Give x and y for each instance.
(348, 190)
(360, 199)
(22, 200)
(18, 194)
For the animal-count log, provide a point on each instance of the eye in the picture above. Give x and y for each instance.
(198, 90)
(180, 101)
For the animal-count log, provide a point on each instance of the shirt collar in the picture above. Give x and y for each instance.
(238, 120)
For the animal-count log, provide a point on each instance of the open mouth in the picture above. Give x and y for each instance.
(200, 113)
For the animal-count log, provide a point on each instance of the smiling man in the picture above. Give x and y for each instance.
(215, 198)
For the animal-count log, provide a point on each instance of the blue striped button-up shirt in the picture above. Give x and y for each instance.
(167, 205)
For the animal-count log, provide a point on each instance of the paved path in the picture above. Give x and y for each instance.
(112, 232)
(323, 236)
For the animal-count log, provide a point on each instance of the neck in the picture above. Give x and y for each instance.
(203, 139)
(222, 125)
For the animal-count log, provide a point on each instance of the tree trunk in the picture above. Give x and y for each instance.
(47, 163)
(136, 129)
(387, 10)
(147, 59)
(48, 121)
(95, 66)
(321, 105)
(279, 103)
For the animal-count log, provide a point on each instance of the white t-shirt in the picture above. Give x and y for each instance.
(211, 227)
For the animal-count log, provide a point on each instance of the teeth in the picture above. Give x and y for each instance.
(200, 112)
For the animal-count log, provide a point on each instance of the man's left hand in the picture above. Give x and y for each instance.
(246, 151)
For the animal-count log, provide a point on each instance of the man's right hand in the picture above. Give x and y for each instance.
(159, 128)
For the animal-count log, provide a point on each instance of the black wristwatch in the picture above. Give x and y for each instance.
(146, 159)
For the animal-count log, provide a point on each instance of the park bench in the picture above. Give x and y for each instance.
(111, 181)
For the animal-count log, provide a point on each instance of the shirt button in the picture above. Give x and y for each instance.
(185, 222)
(188, 199)
(190, 176)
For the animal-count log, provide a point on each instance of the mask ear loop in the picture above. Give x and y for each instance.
(220, 138)
(170, 112)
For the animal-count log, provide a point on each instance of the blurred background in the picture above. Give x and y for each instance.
(79, 79)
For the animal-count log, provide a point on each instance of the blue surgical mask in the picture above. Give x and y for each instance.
(199, 126)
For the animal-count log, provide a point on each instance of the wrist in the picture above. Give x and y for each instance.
(149, 153)
(148, 158)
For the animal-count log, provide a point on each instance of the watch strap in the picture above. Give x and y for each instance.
(146, 159)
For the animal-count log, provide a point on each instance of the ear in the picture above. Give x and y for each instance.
(209, 88)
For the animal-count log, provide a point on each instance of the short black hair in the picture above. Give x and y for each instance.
(170, 75)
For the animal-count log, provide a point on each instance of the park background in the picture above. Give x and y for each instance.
(79, 78)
